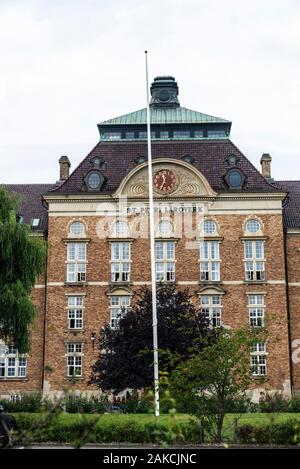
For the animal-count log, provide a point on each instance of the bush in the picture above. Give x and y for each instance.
(273, 403)
(25, 403)
(279, 434)
(294, 405)
(106, 429)
(85, 405)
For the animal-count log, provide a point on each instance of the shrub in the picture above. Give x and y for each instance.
(25, 403)
(280, 434)
(273, 403)
(81, 404)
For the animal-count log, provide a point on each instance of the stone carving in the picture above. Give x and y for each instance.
(189, 184)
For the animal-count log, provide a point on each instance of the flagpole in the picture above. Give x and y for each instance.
(152, 250)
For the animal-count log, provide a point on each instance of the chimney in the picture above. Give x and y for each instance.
(64, 168)
(265, 162)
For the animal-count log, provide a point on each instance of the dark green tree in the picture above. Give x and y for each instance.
(126, 354)
(22, 259)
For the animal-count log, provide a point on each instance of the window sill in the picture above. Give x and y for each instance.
(255, 282)
(209, 282)
(74, 331)
(13, 378)
(75, 284)
(74, 378)
(113, 284)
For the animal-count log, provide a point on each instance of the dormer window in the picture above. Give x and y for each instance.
(35, 222)
(235, 178)
(94, 180)
(97, 162)
(189, 159)
(232, 160)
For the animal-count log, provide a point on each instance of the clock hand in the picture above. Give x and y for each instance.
(164, 180)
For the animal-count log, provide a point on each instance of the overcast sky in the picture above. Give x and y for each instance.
(68, 64)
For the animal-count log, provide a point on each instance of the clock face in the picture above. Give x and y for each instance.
(164, 181)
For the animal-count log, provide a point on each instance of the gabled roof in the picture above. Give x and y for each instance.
(179, 115)
(31, 206)
(291, 210)
(209, 157)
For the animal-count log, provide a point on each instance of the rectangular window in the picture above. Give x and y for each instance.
(258, 357)
(164, 135)
(254, 260)
(209, 261)
(143, 135)
(211, 308)
(181, 134)
(165, 261)
(129, 135)
(120, 262)
(216, 134)
(75, 312)
(198, 134)
(74, 359)
(119, 306)
(256, 308)
(112, 135)
(12, 364)
(76, 266)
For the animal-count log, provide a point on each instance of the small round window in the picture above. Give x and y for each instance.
(77, 228)
(209, 227)
(94, 181)
(252, 226)
(165, 228)
(121, 228)
(235, 178)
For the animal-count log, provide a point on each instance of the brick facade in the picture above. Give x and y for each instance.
(202, 170)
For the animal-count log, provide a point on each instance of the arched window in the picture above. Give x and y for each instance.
(77, 228)
(209, 227)
(253, 226)
(165, 228)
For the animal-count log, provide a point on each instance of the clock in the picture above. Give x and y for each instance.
(164, 181)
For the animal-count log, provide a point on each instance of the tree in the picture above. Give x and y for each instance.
(216, 376)
(22, 259)
(126, 354)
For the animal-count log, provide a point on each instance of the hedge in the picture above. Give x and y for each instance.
(100, 429)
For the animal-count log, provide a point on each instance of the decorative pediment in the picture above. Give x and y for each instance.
(172, 178)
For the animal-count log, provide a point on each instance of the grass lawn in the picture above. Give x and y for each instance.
(256, 419)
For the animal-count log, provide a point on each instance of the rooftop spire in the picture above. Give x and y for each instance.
(164, 92)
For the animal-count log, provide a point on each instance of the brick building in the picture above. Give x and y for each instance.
(225, 230)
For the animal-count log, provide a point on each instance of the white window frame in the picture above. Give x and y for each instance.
(258, 359)
(256, 308)
(74, 228)
(74, 359)
(75, 312)
(165, 262)
(76, 264)
(209, 261)
(119, 307)
(254, 261)
(211, 308)
(12, 364)
(120, 261)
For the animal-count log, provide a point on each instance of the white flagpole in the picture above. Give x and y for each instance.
(152, 249)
